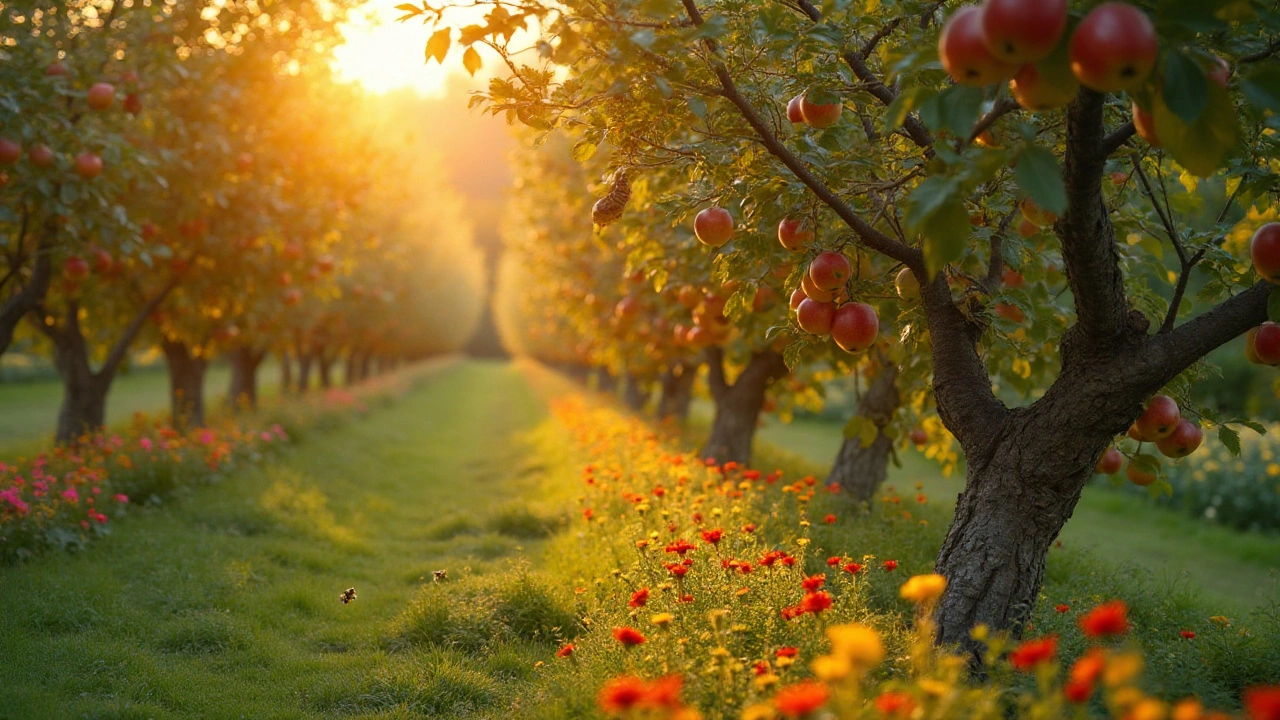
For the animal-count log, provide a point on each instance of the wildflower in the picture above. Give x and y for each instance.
(749, 528)
(1221, 620)
(801, 699)
(712, 536)
(833, 561)
(1147, 709)
(1089, 667)
(587, 514)
(860, 644)
(815, 602)
(895, 703)
(923, 588)
(621, 694)
(70, 495)
(1121, 669)
(786, 651)
(833, 488)
(751, 475)
(628, 636)
(852, 568)
(1188, 709)
(685, 599)
(662, 619)
(1062, 607)
(639, 598)
(1109, 618)
(680, 547)
(759, 711)
(831, 667)
(1187, 634)
(565, 651)
(829, 519)
(1077, 691)
(814, 583)
(1034, 652)
(1262, 703)
(890, 565)
(122, 498)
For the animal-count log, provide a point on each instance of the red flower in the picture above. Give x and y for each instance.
(621, 694)
(815, 602)
(712, 536)
(1088, 668)
(801, 699)
(852, 568)
(833, 561)
(681, 546)
(786, 651)
(1109, 618)
(787, 560)
(814, 583)
(639, 598)
(761, 667)
(890, 565)
(1034, 652)
(677, 569)
(829, 519)
(685, 599)
(1077, 691)
(749, 528)
(895, 703)
(628, 636)
(1187, 634)
(751, 475)
(833, 488)
(1062, 607)
(1262, 703)
(565, 651)
(587, 513)
(664, 692)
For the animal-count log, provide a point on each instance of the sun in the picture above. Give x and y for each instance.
(384, 55)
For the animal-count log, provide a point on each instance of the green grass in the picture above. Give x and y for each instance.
(226, 604)
(1233, 570)
(29, 410)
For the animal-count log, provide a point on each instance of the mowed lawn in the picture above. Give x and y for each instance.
(225, 604)
(1232, 570)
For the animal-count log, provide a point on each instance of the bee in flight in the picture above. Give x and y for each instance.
(348, 596)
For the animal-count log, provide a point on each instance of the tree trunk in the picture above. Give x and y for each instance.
(635, 393)
(733, 430)
(84, 396)
(325, 364)
(861, 469)
(32, 294)
(366, 365)
(304, 372)
(186, 384)
(351, 368)
(244, 377)
(677, 391)
(605, 381)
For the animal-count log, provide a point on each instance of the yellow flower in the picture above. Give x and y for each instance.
(1127, 697)
(1148, 709)
(1189, 709)
(662, 619)
(802, 542)
(766, 680)
(1273, 469)
(759, 711)
(831, 667)
(923, 588)
(936, 688)
(784, 662)
(1221, 620)
(859, 644)
(1122, 668)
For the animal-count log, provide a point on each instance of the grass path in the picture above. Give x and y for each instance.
(1233, 570)
(226, 604)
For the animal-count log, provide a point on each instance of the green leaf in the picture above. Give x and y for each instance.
(698, 107)
(791, 356)
(1146, 463)
(663, 86)
(1038, 173)
(1185, 89)
(945, 234)
(438, 45)
(1203, 146)
(471, 60)
(1273, 305)
(583, 150)
(954, 110)
(853, 428)
(902, 106)
(1262, 86)
(1230, 439)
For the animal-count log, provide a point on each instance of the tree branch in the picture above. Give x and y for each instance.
(1088, 239)
(32, 294)
(715, 373)
(995, 268)
(1116, 138)
(961, 385)
(1167, 354)
(118, 351)
(1003, 107)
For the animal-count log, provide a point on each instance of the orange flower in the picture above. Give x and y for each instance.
(1109, 618)
(814, 583)
(1034, 652)
(1077, 692)
(895, 703)
(815, 602)
(1262, 703)
(1089, 667)
(787, 652)
(1062, 607)
(712, 536)
(852, 568)
(1187, 634)
(639, 598)
(628, 636)
(621, 694)
(801, 699)
(890, 565)
(565, 651)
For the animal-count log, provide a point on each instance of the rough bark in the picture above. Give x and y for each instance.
(245, 362)
(677, 391)
(738, 405)
(859, 469)
(186, 384)
(636, 392)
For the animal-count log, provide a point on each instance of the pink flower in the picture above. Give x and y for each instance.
(71, 495)
(145, 444)
(206, 437)
(11, 496)
(98, 517)
(122, 498)
(266, 436)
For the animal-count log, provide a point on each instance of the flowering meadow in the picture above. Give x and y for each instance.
(711, 590)
(64, 497)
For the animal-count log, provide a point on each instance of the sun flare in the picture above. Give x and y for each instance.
(384, 55)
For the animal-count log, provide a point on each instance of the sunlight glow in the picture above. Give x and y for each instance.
(384, 55)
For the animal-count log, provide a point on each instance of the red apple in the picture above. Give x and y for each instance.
(855, 327)
(4, 179)
(1139, 477)
(1013, 279)
(102, 261)
(56, 69)
(764, 299)
(1264, 249)
(797, 297)
(76, 268)
(132, 104)
(1145, 124)
(1119, 178)
(40, 155)
(1183, 441)
(830, 270)
(1110, 462)
(1265, 342)
(1114, 48)
(1135, 434)
(1046, 85)
(326, 263)
(1012, 313)
(88, 165)
(794, 233)
(964, 54)
(907, 285)
(815, 317)
(688, 296)
(813, 291)
(1022, 31)
(713, 226)
(10, 151)
(919, 437)
(794, 114)
(627, 308)
(100, 96)
(1221, 71)
(1159, 419)
(820, 115)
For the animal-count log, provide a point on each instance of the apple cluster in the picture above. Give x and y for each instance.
(1262, 344)
(1160, 423)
